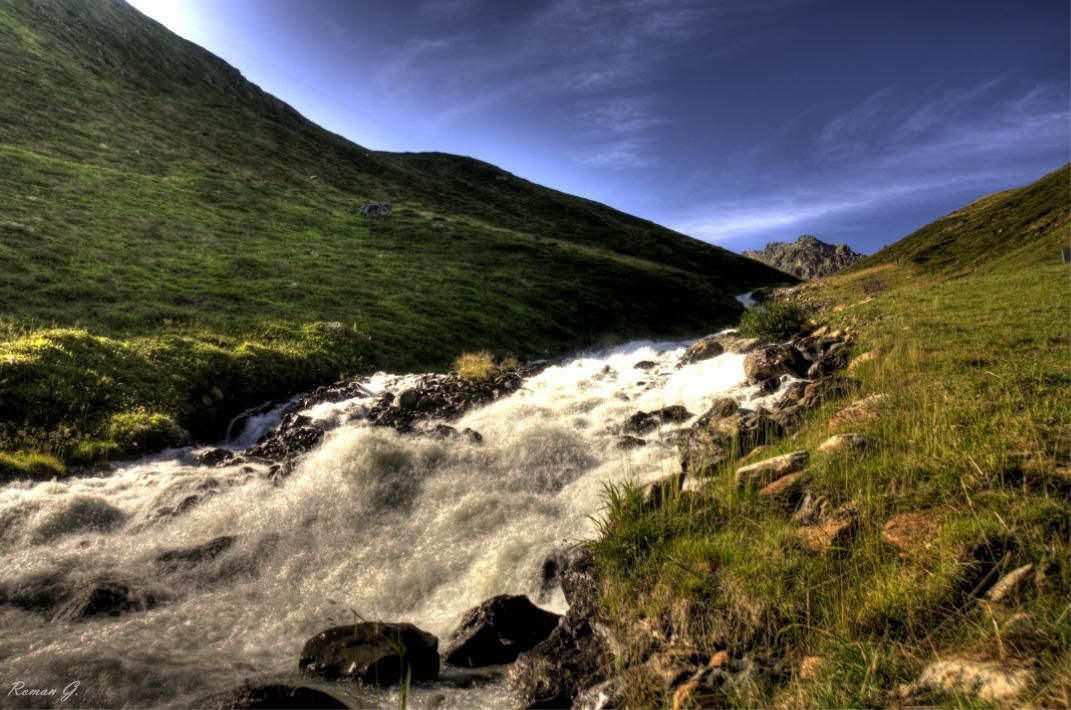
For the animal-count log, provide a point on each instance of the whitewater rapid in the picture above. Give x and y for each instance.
(370, 523)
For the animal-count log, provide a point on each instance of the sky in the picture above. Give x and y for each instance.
(738, 122)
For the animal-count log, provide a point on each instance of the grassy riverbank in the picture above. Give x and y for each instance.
(973, 441)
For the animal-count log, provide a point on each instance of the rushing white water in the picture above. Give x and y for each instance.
(392, 527)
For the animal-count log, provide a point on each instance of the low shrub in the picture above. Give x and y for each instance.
(475, 366)
(773, 321)
(29, 465)
(145, 432)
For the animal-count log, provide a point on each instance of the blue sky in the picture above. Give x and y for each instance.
(735, 121)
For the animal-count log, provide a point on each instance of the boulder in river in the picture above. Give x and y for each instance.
(773, 361)
(272, 697)
(702, 349)
(498, 630)
(372, 652)
(106, 596)
(187, 557)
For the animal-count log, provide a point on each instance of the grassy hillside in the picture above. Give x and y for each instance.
(970, 341)
(175, 241)
(1022, 227)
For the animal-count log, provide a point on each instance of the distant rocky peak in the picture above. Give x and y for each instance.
(808, 257)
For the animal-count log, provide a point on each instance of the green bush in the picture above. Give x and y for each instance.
(774, 321)
(145, 432)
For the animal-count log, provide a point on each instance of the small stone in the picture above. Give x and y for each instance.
(986, 680)
(719, 659)
(912, 534)
(765, 472)
(811, 667)
(781, 485)
(1010, 584)
(859, 412)
(755, 453)
(843, 442)
(826, 535)
(811, 509)
(862, 359)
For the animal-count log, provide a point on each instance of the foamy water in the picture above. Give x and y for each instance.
(390, 527)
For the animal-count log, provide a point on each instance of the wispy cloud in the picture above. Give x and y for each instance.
(890, 149)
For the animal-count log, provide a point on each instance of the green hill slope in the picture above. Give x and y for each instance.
(173, 239)
(960, 368)
(1025, 227)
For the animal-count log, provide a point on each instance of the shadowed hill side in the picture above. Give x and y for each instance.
(202, 244)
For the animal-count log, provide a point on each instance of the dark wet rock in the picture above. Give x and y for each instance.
(644, 422)
(828, 388)
(706, 443)
(724, 407)
(444, 397)
(372, 652)
(645, 364)
(549, 575)
(292, 438)
(497, 631)
(770, 385)
(702, 349)
(445, 431)
(553, 673)
(792, 394)
(773, 361)
(39, 592)
(828, 363)
(106, 596)
(606, 695)
(578, 580)
(408, 399)
(471, 677)
(273, 697)
(213, 457)
(630, 442)
(187, 557)
(575, 655)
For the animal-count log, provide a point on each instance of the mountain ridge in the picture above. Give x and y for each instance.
(807, 258)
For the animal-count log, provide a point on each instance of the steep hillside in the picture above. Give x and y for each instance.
(807, 258)
(174, 240)
(1025, 226)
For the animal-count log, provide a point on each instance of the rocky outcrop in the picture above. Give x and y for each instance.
(497, 631)
(808, 257)
(575, 656)
(773, 361)
(372, 652)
